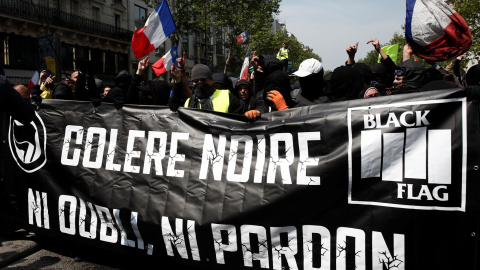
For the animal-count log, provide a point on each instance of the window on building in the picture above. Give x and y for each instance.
(140, 16)
(19, 51)
(96, 14)
(73, 7)
(117, 21)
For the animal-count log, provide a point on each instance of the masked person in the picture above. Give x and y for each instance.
(119, 91)
(274, 97)
(204, 96)
(312, 85)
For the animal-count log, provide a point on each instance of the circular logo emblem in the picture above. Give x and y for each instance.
(28, 143)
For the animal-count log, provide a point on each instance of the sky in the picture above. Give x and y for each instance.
(330, 26)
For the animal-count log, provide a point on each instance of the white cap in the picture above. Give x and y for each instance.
(308, 67)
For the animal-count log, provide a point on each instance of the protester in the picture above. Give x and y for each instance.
(106, 89)
(312, 85)
(413, 77)
(243, 91)
(12, 104)
(154, 92)
(118, 92)
(22, 90)
(204, 96)
(472, 77)
(221, 81)
(66, 89)
(274, 97)
(345, 84)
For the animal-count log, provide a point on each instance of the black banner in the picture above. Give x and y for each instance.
(383, 183)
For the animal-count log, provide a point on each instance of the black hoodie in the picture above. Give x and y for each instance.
(118, 93)
(413, 78)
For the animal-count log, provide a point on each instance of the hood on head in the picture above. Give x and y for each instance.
(222, 81)
(345, 84)
(413, 74)
(123, 76)
(473, 75)
(280, 81)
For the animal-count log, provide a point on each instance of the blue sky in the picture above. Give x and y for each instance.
(329, 27)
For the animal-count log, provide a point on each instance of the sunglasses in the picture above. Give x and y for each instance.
(399, 72)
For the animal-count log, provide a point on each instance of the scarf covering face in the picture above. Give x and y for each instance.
(345, 84)
(312, 86)
(280, 81)
(200, 98)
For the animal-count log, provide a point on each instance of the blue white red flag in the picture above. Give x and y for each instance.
(243, 37)
(435, 31)
(166, 62)
(33, 80)
(246, 62)
(158, 27)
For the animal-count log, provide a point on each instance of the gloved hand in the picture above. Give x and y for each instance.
(276, 98)
(253, 114)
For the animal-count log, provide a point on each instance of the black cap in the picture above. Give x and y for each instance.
(201, 71)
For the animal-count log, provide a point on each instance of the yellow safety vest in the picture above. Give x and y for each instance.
(220, 101)
(283, 53)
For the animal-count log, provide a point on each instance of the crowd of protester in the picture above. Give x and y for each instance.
(268, 89)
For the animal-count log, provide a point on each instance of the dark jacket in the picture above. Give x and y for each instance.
(118, 93)
(154, 92)
(12, 104)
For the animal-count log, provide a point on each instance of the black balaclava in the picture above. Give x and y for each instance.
(280, 81)
(345, 84)
(364, 70)
(312, 86)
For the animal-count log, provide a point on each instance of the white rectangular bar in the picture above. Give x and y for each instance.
(393, 157)
(416, 153)
(440, 156)
(371, 151)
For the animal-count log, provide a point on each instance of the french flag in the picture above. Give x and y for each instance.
(244, 72)
(33, 80)
(436, 31)
(243, 37)
(165, 63)
(158, 27)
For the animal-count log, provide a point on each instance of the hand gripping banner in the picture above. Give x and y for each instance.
(384, 183)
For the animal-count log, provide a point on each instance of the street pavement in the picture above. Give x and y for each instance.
(21, 249)
(24, 250)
